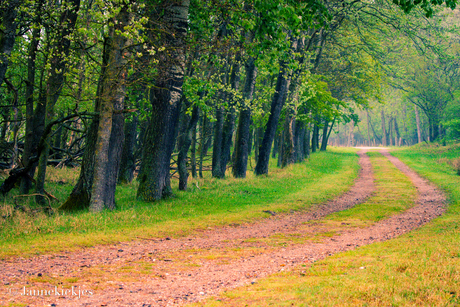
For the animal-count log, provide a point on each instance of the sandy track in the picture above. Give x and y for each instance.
(186, 269)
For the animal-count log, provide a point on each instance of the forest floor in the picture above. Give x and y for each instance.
(177, 271)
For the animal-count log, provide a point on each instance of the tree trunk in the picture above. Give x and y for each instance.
(128, 161)
(217, 143)
(315, 138)
(299, 141)
(324, 140)
(276, 145)
(55, 82)
(202, 148)
(417, 119)
(8, 26)
(26, 183)
(384, 132)
(368, 128)
(242, 143)
(351, 140)
(397, 135)
(189, 126)
(97, 182)
(193, 153)
(229, 124)
(288, 143)
(154, 179)
(278, 101)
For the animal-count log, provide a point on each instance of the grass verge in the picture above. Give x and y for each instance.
(208, 203)
(421, 268)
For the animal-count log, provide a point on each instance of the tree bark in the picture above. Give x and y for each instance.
(324, 140)
(8, 27)
(242, 143)
(97, 182)
(193, 152)
(417, 119)
(315, 137)
(154, 179)
(188, 127)
(229, 123)
(288, 144)
(384, 132)
(128, 161)
(278, 101)
(61, 48)
(26, 183)
(299, 141)
(307, 142)
(217, 143)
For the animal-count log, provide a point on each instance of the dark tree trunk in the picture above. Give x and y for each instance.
(8, 26)
(229, 124)
(55, 82)
(80, 196)
(326, 134)
(112, 165)
(217, 144)
(193, 153)
(397, 135)
(417, 119)
(368, 129)
(324, 140)
(205, 134)
(281, 137)
(384, 132)
(139, 151)
(242, 142)
(203, 124)
(433, 121)
(186, 136)
(278, 101)
(154, 179)
(288, 143)
(128, 161)
(307, 141)
(315, 138)
(299, 143)
(276, 145)
(26, 183)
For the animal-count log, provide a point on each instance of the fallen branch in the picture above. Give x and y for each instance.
(17, 173)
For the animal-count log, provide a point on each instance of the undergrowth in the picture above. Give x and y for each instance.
(209, 202)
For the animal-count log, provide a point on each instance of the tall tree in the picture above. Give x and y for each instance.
(154, 179)
(98, 176)
(59, 62)
(8, 26)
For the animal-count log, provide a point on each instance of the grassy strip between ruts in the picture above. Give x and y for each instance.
(208, 203)
(421, 268)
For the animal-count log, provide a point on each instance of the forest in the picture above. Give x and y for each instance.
(229, 153)
(168, 88)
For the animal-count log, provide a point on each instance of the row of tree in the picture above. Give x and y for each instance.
(155, 85)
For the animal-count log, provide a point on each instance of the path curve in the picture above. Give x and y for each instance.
(173, 285)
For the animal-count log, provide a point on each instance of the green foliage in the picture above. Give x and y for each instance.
(428, 6)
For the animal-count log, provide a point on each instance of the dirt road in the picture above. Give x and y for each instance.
(169, 271)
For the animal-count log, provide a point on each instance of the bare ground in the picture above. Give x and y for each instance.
(169, 271)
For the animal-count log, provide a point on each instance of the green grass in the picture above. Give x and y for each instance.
(208, 203)
(421, 268)
(394, 193)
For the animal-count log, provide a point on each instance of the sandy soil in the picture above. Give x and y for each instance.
(169, 271)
